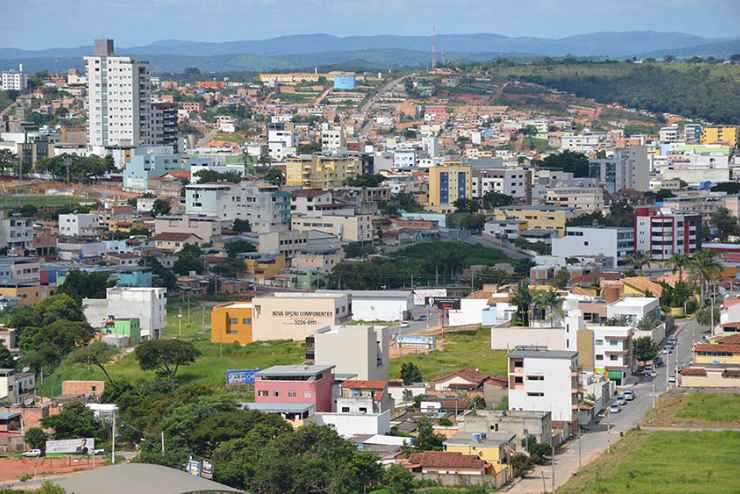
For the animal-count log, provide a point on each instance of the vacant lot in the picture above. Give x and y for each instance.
(696, 409)
(210, 368)
(664, 462)
(40, 201)
(460, 350)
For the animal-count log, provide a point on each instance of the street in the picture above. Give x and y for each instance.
(579, 452)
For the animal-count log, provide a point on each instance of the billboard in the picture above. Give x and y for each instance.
(447, 303)
(416, 340)
(81, 446)
(193, 467)
(422, 295)
(240, 376)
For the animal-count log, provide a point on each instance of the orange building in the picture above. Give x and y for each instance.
(232, 323)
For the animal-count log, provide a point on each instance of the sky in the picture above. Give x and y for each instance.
(36, 24)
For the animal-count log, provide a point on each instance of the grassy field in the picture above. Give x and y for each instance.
(40, 201)
(208, 369)
(460, 350)
(664, 462)
(696, 409)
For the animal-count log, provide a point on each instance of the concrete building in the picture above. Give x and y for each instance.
(332, 139)
(729, 136)
(16, 387)
(14, 80)
(634, 309)
(281, 142)
(518, 422)
(549, 218)
(582, 200)
(629, 168)
(119, 100)
(661, 232)
(321, 262)
(514, 182)
(448, 183)
(607, 351)
(292, 243)
(355, 228)
(615, 244)
(306, 201)
(545, 381)
(202, 227)
(16, 233)
(294, 316)
(296, 384)
(379, 305)
(148, 305)
(78, 225)
(232, 323)
(164, 125)
(149, 162)
(321, 172)
(354, 350)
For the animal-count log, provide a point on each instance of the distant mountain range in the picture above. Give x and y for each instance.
(377, 52)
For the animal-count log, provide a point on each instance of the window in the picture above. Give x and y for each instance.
(262, 392)
(307, 394)
(247, 320)
(275, 394)
(291, 394)
(535, 378)
(345, 409)
(599, 357)
(363, 410)
(535, 394)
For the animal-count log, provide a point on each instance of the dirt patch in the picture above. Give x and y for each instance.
(12, 469)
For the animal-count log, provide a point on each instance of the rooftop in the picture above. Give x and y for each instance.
(523, 352)
(278, 407)
(294, 370)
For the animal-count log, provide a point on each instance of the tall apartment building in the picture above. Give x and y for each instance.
(281, 142)
(119, 100)
(321, 172)
(164, 124)
(14, 80)
(514, 182)
(448, 183)
(629, 168)
(542, 380)
(729, 136)
(661, 233)
(332, 139)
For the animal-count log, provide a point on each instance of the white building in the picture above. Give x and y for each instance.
(615, 244)
(148, 305)
(281, 142)
(514, 182)
(356, 350)
(670, 134)
(119, 100)
(16, 233)
(380, 305)
(629, 168)
(404, 159)
(430, 145)
(14, 80)
(542, 380)
(78, 225)
(332, 139)
(612, 351)
(634, 309)
(585, 143)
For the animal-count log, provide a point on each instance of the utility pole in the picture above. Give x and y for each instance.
(162, 442)
(113, 441)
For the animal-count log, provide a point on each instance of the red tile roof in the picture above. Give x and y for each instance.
(733, 339)
(365, 384)
(717, 347)
(447, 459)
(174, 236)
(470, 375)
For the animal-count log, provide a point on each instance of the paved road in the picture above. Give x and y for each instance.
(592, 443)
(388, 86)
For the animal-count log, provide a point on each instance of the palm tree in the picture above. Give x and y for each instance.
(704, 268)
(550, 302)
(640, 260)
(522, 299)
(679, 263)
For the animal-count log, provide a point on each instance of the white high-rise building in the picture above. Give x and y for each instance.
(119, 100)
(332, 139)
(13, 80)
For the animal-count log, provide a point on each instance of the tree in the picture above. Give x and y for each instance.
(725, 223)
(426, 438)
(274, 176)
(365, 180)
(398, 480)
(360, 474)
(645, 349)
(75, 420)
(242, 226)
(44, 347)
(704, 268)
(550, 303)
(679, 262)
(36, 438)
(206, 176)
(472, 222)
(522, 298)
(166, 356)
(707, 317)
(82, 284)
(731, 188)
(6, 358)
(8, 161)
(96, 353)
(410, 373)
(163, 276)
(493, 200)
(569, 161)
(640, 259)
(466, 205)
(161, 207)
(239, 246)
(562, 278)
(189, 259)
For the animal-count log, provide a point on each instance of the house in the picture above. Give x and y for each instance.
(521, 423)
(461, 380)
(492, 447)
(73, 388)
(296, 384)
(447, 462)
(148, 305)
(364, 397)
(16, 387)
(641, 286)
(174, 241)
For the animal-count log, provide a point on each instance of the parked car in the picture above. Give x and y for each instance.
(629, 395)
(653, 373)
(614, 409)
(32, 453)
(620, 401)
(99, 452)
(404, 324)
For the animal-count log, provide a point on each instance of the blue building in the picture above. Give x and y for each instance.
(345, 82)
(146, 163)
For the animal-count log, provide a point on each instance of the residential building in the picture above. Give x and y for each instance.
(281, 142)
(232, 323)
(130, 329)
(292, 243)
(14, 80)
(729, 136)
(321, 172)
(607, 350)
(548, 218)
(614, 244)
(266, 207)
(203, 227)
(661, 232)
(305, 201)
(147, 163)
(175, 242)
(669, 134)
(545, 380)
(16, 387)
(519, 422)
(164, 125)
(364, 396)
(448, 183)
(119, 100)
(332, 139)
(148, 305)
(78, 225)
(294, 316)
(321, 262)
(448, 463)
(296, 384)
(580, 199)
(514, 182)
(355, 228)
(355, 350)
(629, 168)
(460, 380)
(492, 447)
(216, 200)
(16, 233)
(634, 309)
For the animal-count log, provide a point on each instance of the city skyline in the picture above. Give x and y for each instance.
(40, 24)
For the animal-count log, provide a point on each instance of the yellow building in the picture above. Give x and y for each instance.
(717, 353)
(321, 172)
(490, 447)
(536, 217)
(27, 294)
(448, 183)
(720, 135)
(264, 268)
(232, 323)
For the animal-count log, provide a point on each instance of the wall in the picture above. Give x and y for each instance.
(368, 309)
(349, 424)
(223, 331)
(510, 338)
(354, 350)
(471, 312)
(294, 318)
(83, 388)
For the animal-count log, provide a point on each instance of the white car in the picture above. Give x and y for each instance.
(614, 409)
(404, 324)
(629, 395)
(33, 453)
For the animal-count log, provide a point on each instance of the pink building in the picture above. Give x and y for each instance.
(296, 384)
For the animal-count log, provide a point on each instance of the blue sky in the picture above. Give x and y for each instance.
(34, 24)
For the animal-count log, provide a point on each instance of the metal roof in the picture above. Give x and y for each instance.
(278, 407)
(543, 354)
(294, 370)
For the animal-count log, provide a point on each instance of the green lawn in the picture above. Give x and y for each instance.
(711, 407)
(664, 462)
(208, 369)
(40, 201)
(461, 350)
